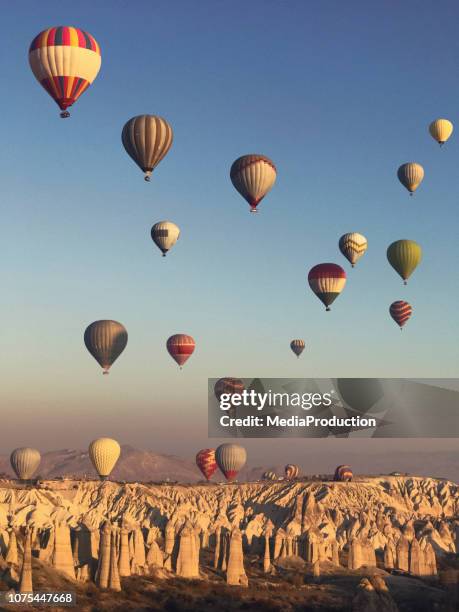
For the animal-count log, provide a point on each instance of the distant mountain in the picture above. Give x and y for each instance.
(145, 466)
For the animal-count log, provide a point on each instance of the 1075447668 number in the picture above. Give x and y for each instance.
(42, 598)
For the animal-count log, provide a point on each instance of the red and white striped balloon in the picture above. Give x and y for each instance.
(180, 347)
(400, 311)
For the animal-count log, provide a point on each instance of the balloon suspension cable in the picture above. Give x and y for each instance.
(65, 115)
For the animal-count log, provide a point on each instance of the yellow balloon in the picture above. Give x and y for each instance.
(441, 130)
(404, 256)
(104, 453)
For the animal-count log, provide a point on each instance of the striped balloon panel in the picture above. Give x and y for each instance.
(25, 462)
(65, 64)
(291, 471)
(165, 234)
(180, 347)
(205, 460)
(441, 130)
(105, 340)
(230, 459)
(147, 139)
(400, 311)
(65, 36)
(410, 175)
(253, 176)
(297, 346)
(343, 473)
(404, 256)
(104, 453)
(353, 246)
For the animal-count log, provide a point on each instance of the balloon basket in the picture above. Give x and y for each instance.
(65, 115)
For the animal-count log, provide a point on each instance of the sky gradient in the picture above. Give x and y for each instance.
(337, 94)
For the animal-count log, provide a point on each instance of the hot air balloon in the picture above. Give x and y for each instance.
(404, 256)
(297, 346)
(410, 175)
(180, 347)
(353, 246)
(105, 340)
(400, 311)
(327, 280)
(65, 61)
(25, 462)
(165, 234)
(343, 473)
(205, 460)
(104, 453)
(291, 471)
(253, 176)
(228, 385)
(231, 459)
(147, 139)
(441, 130)
(269, 476)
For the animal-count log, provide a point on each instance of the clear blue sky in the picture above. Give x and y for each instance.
(338, 94)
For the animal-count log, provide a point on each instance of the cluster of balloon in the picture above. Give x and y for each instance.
(104, 453)
(291, 471)
(25, 462)
(230, 458)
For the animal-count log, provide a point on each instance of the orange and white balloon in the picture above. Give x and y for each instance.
(400, 311)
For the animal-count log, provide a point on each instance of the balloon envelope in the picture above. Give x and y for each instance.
(231, 459)
(180, 347)
(104, 453)
(404, 256)
(353, 246)
(400, 311)
(165, 234)
(65, 61)
(105, 340)
(291, 471)
(253, 176)
(297, 346)
(327, 280)
(147, 140)
(205, 460)
(25, 462)
(441, 130)
(343, 473)
(410, 175)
